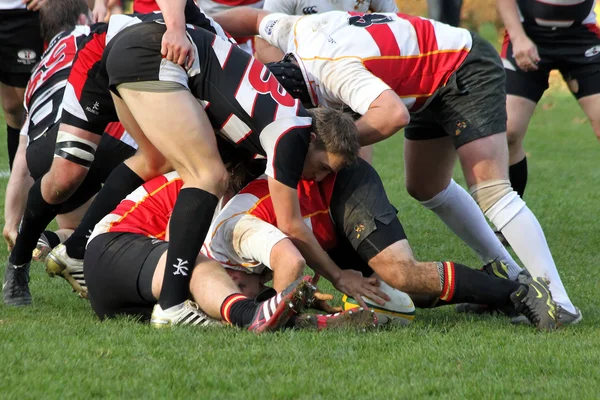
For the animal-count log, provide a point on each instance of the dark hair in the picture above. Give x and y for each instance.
(336, 133)
(60, 15)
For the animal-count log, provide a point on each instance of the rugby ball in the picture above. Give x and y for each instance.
(400, 310)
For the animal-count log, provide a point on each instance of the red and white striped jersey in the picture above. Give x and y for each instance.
(557, 13)
(354, 57)
(146, 211)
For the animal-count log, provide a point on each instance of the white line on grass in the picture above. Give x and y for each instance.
(4, 174)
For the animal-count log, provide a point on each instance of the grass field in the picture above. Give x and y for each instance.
(57, 349)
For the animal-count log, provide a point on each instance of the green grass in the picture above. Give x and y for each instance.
(57, 349)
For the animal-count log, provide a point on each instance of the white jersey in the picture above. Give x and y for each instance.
(12, 5)
(306, 7)
(214, 6)
(354, 57)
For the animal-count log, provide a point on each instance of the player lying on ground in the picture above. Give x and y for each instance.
(352, 218)
(250, 109)
(86, 110)
(540, 37)
(125, 263)
(43, 99)
(446, 85)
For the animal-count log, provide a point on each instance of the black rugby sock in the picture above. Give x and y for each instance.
(518, 176)
(461, 284)
(188, 226)
(121, 182)
(12, 143)
(238, 310)
(38, 214)
(52, 238)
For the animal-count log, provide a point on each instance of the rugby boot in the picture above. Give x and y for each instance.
(59, 263)
(15, 288)
(564, 317)
(357, 318)
(41, 249)
(274, 313)
(535, 302)
(186, 313)
(499, 270)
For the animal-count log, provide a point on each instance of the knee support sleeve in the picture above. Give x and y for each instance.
(75, 149)
(501, 213)
(487, 194)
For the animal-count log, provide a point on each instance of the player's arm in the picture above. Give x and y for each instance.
(290, 222)
(175, 45)
(17, 190)
(100, 11)
(240, 21)
(265, 53)
(384, 6)
(524, 50)
(383, 112)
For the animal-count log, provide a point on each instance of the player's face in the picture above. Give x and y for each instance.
(319, 163)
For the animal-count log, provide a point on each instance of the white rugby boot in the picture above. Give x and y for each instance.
(186, 313)
(59, 263)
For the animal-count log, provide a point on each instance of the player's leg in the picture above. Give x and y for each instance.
(12, 106)
(591, 107)
(431, 183)
(483, 153)
(359, 199)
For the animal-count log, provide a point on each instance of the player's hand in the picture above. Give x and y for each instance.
(99, 12)
(34, 5)
(177, 48)
(525, 53)
(354, 284)
(10, 236)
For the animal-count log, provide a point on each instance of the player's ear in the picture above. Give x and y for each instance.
(313, 136)
(82, 20)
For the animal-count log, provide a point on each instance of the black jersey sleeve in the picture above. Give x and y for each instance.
(285, 142)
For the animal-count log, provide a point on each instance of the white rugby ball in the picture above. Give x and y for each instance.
(400, 309)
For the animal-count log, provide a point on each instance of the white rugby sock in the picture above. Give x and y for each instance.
(522, 230)
(457, 209)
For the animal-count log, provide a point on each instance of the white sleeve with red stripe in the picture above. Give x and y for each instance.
(277, 29)
(349, 82)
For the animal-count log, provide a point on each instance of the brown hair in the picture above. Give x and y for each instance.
(336, 133)
(60, 15)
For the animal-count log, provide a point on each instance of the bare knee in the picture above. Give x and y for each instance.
(213, 179)
(62, 180)
(423, 191)
(13, 109)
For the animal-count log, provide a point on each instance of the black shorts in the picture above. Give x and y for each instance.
(21, 46)
(110, 153)
(364, 219)
(87, 103)
(574, 51)
(118, 270)
(471, 105)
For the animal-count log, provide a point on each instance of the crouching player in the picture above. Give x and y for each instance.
(125, 262)
(352, 218)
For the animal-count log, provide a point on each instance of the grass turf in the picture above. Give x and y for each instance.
(57, 349)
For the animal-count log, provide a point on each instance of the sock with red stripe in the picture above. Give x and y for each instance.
(461, 284)
(121, 181)
(189, 223)
(238, 310)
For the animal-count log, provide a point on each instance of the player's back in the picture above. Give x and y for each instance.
(557, 13)
(48, 80)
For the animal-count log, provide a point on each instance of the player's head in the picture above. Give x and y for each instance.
(334, 143)
(295, 79)
(61, 15)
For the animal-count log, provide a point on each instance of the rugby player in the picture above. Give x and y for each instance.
(541, 37)
(446, 85)
(77, 140)
(43, 98)
(293, 142)
(353, 220)
(446, 11)
(125, 264)
(21, 45)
